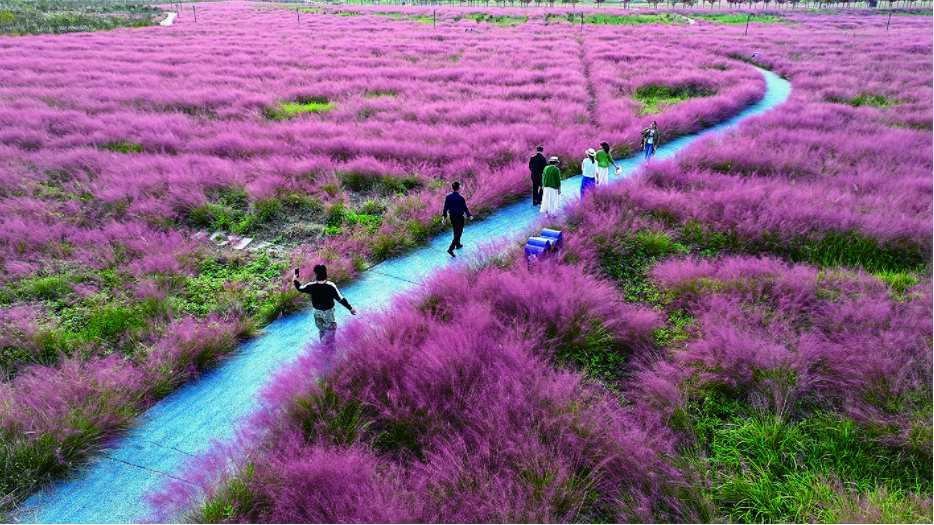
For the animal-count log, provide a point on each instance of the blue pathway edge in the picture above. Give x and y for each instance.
(113, 487)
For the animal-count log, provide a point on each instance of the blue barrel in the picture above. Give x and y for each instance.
(535, 252)
(554, 236)
(547, 244)
(538, 248)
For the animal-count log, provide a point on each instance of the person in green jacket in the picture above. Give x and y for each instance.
(551, 180)
(604, 159)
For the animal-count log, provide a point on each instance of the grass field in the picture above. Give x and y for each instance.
(769, 286)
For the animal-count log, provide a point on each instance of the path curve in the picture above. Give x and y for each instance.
(168, 19)
(113, 487)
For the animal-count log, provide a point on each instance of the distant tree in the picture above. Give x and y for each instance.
(599, 2)
(626, 3)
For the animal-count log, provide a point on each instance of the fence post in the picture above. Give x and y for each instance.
(194, 11)
(746, 32)
(887, 23)
(434, 20)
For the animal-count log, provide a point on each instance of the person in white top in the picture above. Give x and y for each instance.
(589, 170)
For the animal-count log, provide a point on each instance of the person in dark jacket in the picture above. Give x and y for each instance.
(536, 166)
(651, 138)
(456, 205)
(323, 295)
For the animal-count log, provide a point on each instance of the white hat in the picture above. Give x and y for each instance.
(553, 159)
(591, 152)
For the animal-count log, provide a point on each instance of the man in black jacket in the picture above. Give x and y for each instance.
(455, 204)
(323, 293)
(536, 167)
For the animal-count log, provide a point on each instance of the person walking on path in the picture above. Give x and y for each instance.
(536, 166)
(589, 171)
(456, 205)
(650, 140)
(604, 160)
(323, 295)
(551, 180)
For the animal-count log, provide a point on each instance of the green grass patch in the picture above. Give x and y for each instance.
(855, 250)
(493, 19)
(290, 108)
(57, 17)
(235, 496)
(229, 210)
(245, 284)
(591, 349)
(123, 147)
(627, 260)
(901, 284)
(378, 93)
(656, 98)
(765, 469)
(740, 18)
(385, 184)
(876, 101)
(626, 20)
(825, 249)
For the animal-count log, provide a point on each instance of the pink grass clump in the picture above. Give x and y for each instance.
(448, 409)
(789, 338)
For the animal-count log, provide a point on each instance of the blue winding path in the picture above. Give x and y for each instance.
(112, 488)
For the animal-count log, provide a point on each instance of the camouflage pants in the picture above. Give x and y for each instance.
(327, 326)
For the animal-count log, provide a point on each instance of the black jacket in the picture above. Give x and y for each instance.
(323, 296)
(537, 165)
(456, 205)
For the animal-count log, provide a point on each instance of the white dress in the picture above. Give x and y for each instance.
(550, 201)
(603, 175)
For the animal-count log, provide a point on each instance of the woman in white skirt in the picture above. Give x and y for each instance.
(551, 181)
(604, 160)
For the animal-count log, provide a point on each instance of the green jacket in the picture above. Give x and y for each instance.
(551, 177)
(604, 159)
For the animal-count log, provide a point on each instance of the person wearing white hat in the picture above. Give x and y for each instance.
(551, 180)
(589, 170)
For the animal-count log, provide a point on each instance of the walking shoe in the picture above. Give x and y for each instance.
(451, 252)
(459, 246)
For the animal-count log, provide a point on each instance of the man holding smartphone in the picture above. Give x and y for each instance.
(323, 295)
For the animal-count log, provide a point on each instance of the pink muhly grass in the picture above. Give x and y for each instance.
(790, 337)
(454, 390)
